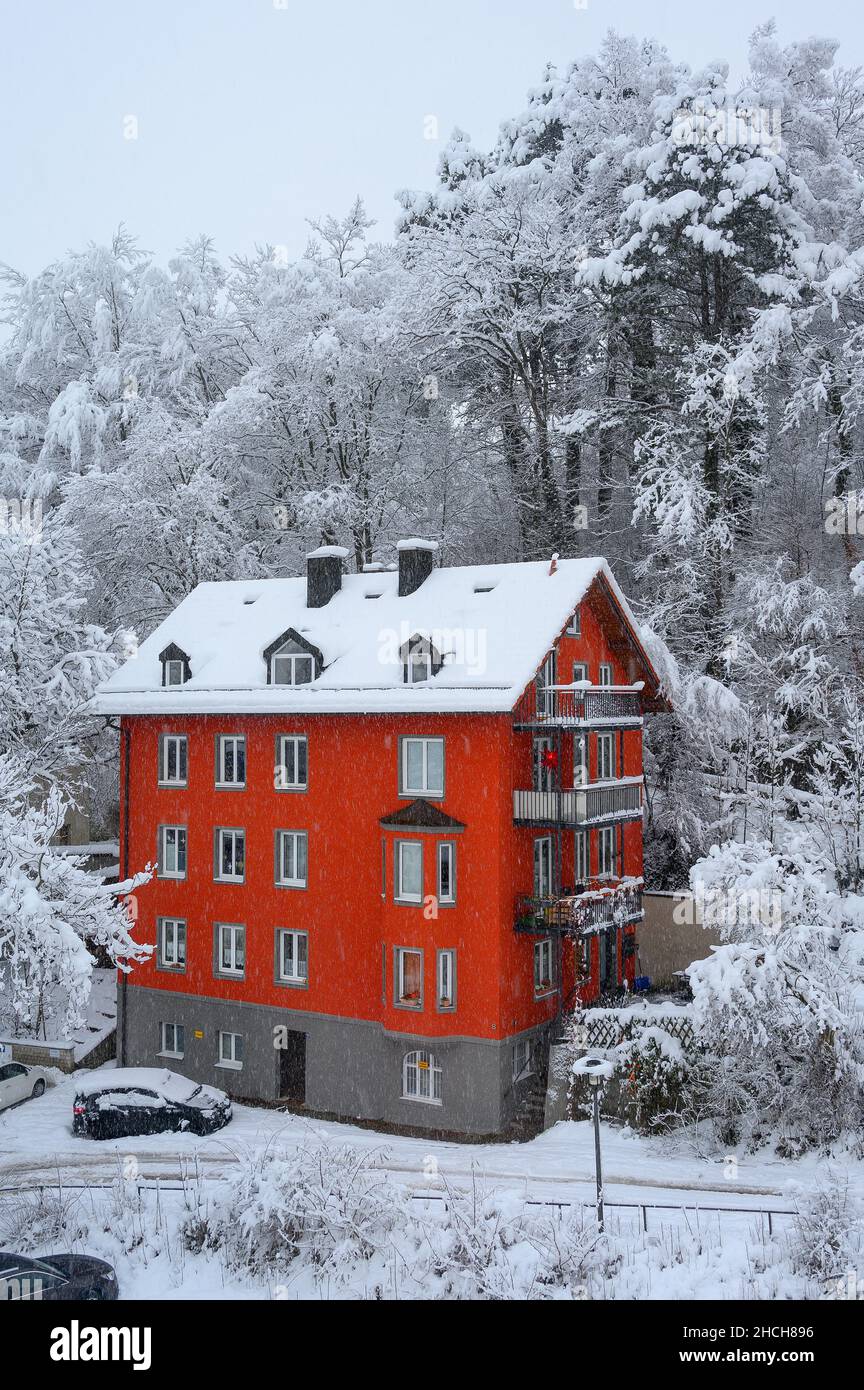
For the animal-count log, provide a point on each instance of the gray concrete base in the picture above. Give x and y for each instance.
(353, 1068)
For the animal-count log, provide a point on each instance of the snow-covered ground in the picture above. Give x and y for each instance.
(100, 1018)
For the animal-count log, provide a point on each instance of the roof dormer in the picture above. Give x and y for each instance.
(175, 666)
(420, 660)
(291, 660)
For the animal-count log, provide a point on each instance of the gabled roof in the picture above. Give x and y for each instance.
(492, 624)
(421, 815)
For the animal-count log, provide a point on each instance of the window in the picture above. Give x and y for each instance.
(292, 858)
(175, 673)
(171, 937)
(172, 851)
(446, 981)
(292, 957)
(543, 983)
(422, 767)
(580, 760)
(605, 757)
(292, 763)
(446, 873)
(175, 665)
(606, 673)
(421, 1078)
(172, 1039)
(521, 1059)
(582, 856)
(230, 864)
(409, 871)
(230, 761)
(545, 682)
(580, 670)
(545, 763)
(575, 627)
(292, 666)
(230, 949)
(607, 856)
(172, 760)
(419, 667)
(409, 978)
(543, 867)
(230, 1050)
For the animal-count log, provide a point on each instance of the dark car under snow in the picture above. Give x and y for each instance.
(144, 1100)
(56, 1278)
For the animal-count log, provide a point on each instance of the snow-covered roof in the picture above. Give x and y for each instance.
(493, 624)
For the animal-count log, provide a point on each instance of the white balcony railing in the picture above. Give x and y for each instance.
(592, 804)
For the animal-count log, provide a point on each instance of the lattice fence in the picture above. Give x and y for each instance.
(606, 1028)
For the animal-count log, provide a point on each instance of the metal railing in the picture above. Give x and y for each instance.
(566, 706)
(587, 805)
(585, 912)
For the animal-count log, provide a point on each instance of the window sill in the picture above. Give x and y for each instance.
(296, 887)
(229, 975)
(421, 1100)
(291, 984)
(292, 789)
(408, 902)
(410, 1008)
(230, 880)
(171, 878)
(230, 787)
(229, 1066)
(173, 786)
(544, 993)
(171, 969)
(174, 1056)
(407, 794)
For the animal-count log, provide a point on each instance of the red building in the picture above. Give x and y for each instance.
(397, 818)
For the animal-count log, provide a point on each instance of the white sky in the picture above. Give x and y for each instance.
(254, 115)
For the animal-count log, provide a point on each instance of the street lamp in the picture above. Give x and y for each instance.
(598, 1071)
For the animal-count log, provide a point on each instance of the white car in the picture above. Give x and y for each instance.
(18, 1083)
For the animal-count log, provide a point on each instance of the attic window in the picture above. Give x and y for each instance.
(291, 660)
(574, 627)
(378, 595)
(249, 600)
(483, 588)
(420, 660)
(175, 666)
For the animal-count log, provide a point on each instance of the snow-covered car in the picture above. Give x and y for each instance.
(19, 1082)
(145, 1100)
(57, 1278)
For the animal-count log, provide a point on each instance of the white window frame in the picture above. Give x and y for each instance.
(163, 851)
(297, 836)
(543, 778)
(581, 760)
(234, 832)
(405, 788)
(544, 980)
(227, 1056)
(222, 742)
(291, 659)
(237, 935)
(545, 680)
(173, 928)
(402, 1001)
(607, 673)
(416, 1066)
(606, 762)
(445, 981)
(169, 672)
(606, 838)
(541, 873)
(411, 899)
(180, 742)
(580, 671)
(582, 856)
(164, 1049)
(280, 781)
(574, 627)
(446, 850)
(418, 660)
(301, 975)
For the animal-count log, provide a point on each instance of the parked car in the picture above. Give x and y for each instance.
(145, 1100)
(58, 1278)
(18, 1082)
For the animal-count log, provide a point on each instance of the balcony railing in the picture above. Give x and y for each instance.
(593, 804)
(579, 706)
(591, 911)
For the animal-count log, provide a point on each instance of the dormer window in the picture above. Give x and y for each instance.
(291, 660)
(175, 666)
(420, 661)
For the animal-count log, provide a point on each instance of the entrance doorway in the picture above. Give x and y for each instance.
(292, 1069)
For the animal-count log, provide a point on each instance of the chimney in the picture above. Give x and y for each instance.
(324, 574)
(416, 563)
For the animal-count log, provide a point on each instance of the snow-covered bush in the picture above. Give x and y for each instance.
(827, 1240)
(653, 1072)
(326, 1206)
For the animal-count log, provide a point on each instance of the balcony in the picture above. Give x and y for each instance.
(595, 803)
(580, 706)
(592, 911)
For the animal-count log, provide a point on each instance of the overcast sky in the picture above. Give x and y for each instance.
(254, 115)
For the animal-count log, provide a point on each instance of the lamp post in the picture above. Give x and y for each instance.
(598, 1071)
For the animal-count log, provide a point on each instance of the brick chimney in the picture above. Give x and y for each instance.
(324, 574)
(416, 563)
